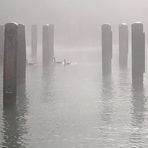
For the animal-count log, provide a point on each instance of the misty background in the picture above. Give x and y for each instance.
(74, 106)
(77, 22)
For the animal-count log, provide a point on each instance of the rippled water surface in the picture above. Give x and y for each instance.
(74, 107)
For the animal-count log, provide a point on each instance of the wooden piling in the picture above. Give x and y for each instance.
(138, 54)
(21, 55)
(1, 42)
(51, 40)
(46, 45)
(10, 63)
(34, 42)
(14, 62)
(106, 49)
(123, 45)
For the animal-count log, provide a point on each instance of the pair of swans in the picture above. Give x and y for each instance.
(61, 62)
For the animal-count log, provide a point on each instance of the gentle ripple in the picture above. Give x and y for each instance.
(74, 107)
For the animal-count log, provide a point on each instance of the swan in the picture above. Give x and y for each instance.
(57, 62)
(29, 63)
(66, 63)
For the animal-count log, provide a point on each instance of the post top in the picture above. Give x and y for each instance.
(137, 25)
(21, 25)
(12, 23)
(106, 26)
(46, 25)
(123, 24)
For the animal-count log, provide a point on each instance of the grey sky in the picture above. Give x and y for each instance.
(74, 19)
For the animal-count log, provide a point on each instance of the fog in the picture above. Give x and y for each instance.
(77, 22)
(73, 92)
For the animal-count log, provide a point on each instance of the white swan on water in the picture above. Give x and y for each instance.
(57, 62)
(61, 62)
(66, 63)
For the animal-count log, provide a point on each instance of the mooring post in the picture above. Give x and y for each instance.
(46, 45)
(106, 49)
(123, 45)
(34, 41)
(10, 64)
(138, 54)
(21, 55)
(14, 62)
(1, 42)
(51, 40)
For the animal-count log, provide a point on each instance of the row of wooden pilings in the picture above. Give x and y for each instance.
(13, 53)
(14, 73)
(138, 51)
(47, 43)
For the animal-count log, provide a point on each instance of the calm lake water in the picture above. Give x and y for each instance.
(74, 107)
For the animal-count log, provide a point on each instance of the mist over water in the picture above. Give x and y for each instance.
(73, 106)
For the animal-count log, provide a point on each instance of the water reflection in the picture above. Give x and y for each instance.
(48, 72)
(107, 108)
(124, 85)
(106, 99)
(138, 102)
(14, 120)
(138, 116)
(48, 82)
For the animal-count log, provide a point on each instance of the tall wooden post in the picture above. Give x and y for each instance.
(10, 63)
(123, 45)
(51, 40)
(46, 45)
(21, 55)
(14, 62)
(34, 41)
(106, 49)
(138, 54)
(1, 42)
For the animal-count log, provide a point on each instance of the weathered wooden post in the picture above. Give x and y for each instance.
(10, 64)
(46, 45)
(106, 49)
(123, 45)
(21, 55)
(34, 41)
(138, 54)
(51, 42)
(1, 42)
(14, 61)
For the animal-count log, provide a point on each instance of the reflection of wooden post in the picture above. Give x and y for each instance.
(51, 40)
(1, 42)
(106, 49)
(46, 44)
(123, 45)
(11, 126)
(21, 55)
(34, 41)
(10, 63)
(138, 54)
